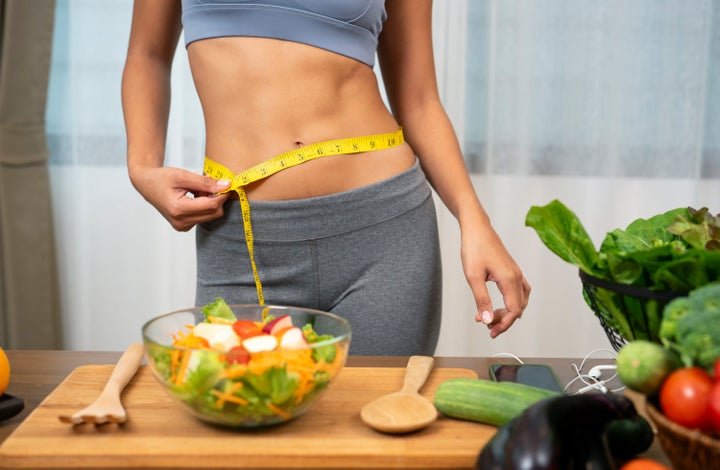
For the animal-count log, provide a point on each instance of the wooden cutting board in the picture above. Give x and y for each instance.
(159, 434)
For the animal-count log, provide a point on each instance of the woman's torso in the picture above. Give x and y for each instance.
(264, 96)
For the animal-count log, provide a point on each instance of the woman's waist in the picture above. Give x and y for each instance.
(321, 166)
(328, 215)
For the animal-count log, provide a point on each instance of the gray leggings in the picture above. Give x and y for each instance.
(370, 255)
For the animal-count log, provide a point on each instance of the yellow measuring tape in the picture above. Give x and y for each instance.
(289, 159)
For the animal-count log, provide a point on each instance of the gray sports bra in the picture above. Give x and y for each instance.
(347, 27)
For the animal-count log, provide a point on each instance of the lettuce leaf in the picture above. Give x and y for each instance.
(561, 231)
(699, 228)
(218, 309)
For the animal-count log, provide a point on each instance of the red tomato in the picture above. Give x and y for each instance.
(717, 369)
(643, 464)
(685, 397)
(246, 329)
(237, 355)
(714, 407)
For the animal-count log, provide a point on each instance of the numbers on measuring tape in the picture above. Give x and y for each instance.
(307, 153)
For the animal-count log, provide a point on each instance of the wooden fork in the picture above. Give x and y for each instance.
(108, 408)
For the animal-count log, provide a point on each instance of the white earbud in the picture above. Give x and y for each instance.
(596, 371)
(599, 386)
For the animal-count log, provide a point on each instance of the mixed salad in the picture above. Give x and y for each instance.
(242, 372)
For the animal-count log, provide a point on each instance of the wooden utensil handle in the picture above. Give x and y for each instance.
(126, 367)
(418, 370)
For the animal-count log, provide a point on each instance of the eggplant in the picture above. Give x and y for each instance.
(493, 454)
(626, 438)
(564, 432)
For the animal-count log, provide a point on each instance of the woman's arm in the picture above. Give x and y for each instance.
(154, 36)
(406, 59)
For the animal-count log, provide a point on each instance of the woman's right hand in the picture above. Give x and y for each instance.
(184, 198)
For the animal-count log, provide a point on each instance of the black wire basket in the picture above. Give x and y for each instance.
(626, 312)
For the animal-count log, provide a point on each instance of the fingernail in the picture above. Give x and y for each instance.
(223, 183)
(487, 316)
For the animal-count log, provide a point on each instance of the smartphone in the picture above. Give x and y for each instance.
(537, 375)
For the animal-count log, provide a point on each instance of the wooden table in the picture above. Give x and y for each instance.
(35, 374)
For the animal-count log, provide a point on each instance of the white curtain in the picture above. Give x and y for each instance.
(608, 106)
(120, 262)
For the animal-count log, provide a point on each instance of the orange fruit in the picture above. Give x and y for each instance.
(643, 464)
(4, 371)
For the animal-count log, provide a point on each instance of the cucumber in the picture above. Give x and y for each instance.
(485, 401)
(643, 365)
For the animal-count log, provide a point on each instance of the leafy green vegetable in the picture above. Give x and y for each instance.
(700, 229)
(676, 251)
(162, 358)
(276, 383)
(562, 232)
(219, 309)
(201, 378)
(691, 326)
(321, 353)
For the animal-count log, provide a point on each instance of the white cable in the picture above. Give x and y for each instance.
(587, 356)
(598, 385)
(508, 355)
(591, 379)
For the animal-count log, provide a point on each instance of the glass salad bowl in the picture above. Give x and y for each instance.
(246, 365)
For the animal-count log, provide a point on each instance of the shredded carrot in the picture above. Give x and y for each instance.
(284, 414)
(236, 400)
(235, 387)
(182, 369)
(174, 364)
(229, 395)
(234, 372)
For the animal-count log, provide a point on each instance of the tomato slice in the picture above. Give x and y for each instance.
(246, 329)
(237, 355)
(685, 397)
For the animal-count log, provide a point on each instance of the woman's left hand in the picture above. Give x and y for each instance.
(485, 259)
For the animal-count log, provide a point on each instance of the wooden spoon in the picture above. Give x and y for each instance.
(405, 410)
